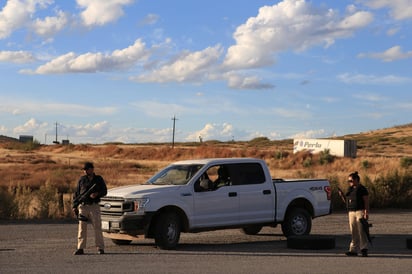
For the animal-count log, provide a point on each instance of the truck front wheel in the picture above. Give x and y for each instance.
(297, 222)
(167, 231)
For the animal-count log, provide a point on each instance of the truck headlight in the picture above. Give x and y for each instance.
(140, 204)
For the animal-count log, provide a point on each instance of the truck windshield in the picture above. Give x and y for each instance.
(174, 175)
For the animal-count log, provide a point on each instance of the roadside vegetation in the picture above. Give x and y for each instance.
(37, 181)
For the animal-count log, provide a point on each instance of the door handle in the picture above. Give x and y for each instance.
(232, 194)
(266, 191)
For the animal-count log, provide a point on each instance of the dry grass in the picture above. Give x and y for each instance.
(58, 167)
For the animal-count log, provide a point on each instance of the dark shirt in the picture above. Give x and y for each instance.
(354, 197)
(85, 184)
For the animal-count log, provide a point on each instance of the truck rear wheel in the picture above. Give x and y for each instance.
(297, 222)
(167, 231)
(251, 229)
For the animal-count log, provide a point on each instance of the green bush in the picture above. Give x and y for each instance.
(325, 157)
(406, 162)
(7, 205)
(392, 190)
(365, 164)
(307, 162)
(47, 202)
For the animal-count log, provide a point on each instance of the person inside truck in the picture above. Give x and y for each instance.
(223, 178)
(204, 183)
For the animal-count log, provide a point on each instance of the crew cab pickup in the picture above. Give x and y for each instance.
(210, 194)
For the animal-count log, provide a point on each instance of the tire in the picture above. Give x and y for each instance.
(297, 222)
(167, 231)
(121, 242)
(251, 229)
(409, 243)
(315, 242)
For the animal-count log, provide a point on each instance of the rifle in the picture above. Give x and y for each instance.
(80, 199)
(341, 195)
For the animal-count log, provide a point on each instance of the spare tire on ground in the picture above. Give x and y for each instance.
(311, 242)
(409, 243)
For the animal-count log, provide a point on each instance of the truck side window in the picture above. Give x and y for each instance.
(246, 173)
(223, 177)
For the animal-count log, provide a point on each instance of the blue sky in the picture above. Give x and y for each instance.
(120, 70)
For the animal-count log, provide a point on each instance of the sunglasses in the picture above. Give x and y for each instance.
(350, 181)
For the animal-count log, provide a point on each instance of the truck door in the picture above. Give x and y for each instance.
(256, 195)
(214, 206)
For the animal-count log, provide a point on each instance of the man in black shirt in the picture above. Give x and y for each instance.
(89, 208)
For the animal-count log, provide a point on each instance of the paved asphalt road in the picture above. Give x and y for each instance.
(46, 247)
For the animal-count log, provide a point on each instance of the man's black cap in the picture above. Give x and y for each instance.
(88, 165)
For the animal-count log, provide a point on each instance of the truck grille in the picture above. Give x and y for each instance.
(114, 206)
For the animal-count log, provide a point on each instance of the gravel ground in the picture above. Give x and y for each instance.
(47, 247)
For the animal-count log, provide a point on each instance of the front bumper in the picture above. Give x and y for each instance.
(127, 224)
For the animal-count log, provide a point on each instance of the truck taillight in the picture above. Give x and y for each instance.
(328, 191)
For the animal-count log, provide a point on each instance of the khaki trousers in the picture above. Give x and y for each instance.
(359, 238)
(91, 212)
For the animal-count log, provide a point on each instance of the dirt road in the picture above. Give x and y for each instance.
(46, 247)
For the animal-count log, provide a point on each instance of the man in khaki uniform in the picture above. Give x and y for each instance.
(88, 208)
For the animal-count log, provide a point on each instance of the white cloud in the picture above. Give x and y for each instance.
(17, 106)
(17, 13)
(149, 19)
(19, 57)
(94, 62)
(237, 81)
(98, 12)
(372, 79)
(189, 66)
(399, 9)
(30, 127)
(289, 25)
(212, 131)
(310, 134)
(370, 97)
(393, 31)
(392, 54)
(96, 130)
(49, 26)
(158, 109)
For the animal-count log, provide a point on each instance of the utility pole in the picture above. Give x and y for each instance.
(56, 142)
(174, 127)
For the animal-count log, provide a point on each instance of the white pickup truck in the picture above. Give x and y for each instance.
(210, 194)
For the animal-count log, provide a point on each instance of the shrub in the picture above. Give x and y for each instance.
(307, 162)
(392, 190)
(7, 205)
(365, 164)
(325, 157)
(48, 204)
(406, 162)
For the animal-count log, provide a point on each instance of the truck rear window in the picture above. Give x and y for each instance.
(246, 173)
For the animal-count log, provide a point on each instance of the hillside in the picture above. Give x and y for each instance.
(37, 180)
(378, 150)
